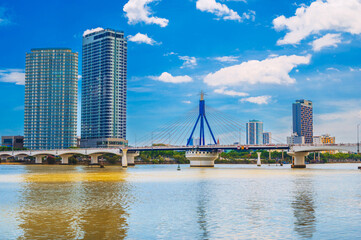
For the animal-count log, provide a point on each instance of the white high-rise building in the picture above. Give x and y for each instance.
(104, 89)
(51, 94)
(254, 132)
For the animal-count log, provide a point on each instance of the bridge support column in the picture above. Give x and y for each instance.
(201, 158)
(269, 154)
(65, 158)
(124, 158)
(259, 159)
(130, 158)
(39, 159)
(299, 159)
(94, 158)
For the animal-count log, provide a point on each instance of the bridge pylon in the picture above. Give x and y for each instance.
(197, 157)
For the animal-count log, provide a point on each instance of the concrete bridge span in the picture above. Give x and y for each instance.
(299, 152)
(65, 154)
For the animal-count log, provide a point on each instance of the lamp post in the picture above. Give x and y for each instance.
(358, 139)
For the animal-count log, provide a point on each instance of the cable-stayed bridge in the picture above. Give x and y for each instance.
(202, 134)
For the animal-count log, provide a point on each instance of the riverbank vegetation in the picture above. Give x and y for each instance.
(230, 157)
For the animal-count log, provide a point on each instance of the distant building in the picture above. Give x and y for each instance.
(324, 139)
(106, 142)
(104, 89)
(51, 94)
(295, 139)
(267, 138)
(195, 141)
(302, 112)
(254, 132)
(10, 141)
(78, 138)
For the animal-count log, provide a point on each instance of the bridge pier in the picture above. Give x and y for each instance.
(124, 158)
(94, 158)
(299, 159)
(201, 158)
(130, 158)
(259, 159)
(65, 158)
(39, 159)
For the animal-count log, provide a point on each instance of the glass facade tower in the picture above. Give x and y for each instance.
(302, 114)
(51, 91)
(254, 132)
(104, 89)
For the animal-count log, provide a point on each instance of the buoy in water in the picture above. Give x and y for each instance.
(178, 169)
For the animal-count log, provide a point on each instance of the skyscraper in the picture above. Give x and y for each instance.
(104, 89)
(254, 132)
(302, 112)
(51, 89)
(267, 138)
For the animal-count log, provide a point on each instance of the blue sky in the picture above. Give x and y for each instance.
(253, 58)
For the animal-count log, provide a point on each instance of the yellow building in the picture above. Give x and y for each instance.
(324, 139)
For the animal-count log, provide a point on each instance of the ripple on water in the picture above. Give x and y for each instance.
(159, 202)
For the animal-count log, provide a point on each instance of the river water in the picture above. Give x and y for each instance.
(159, 202)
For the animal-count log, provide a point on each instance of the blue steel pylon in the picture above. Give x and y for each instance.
(201, 118)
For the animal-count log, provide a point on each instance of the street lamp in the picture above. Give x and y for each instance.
(358, 139)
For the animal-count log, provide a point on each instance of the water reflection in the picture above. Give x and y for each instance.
(202, 202)
(304, 206)
(75, 207)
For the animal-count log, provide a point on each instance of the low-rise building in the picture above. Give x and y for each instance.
(295, 139)
(10, 141)
(103, 143)
(324, 139)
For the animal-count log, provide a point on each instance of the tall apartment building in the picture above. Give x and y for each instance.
(51, 89)
(302, 112)
(267, 138)
(104, 89)
(254, 132)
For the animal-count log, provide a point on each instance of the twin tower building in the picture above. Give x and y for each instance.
(51, 94)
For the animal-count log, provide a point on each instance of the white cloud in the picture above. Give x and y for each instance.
(332, 69)
(257, 100)
(168, 78)
(16, 76)
(170, 53)
(3, 19)
(141, 38)
(269, 71)
(230, 92)
(329, 40)
(88, 31)
(222, 11)
(138, 11)
(187, 102)
(329, 15)
(341, 124)
(355, 69)
(227, 59)
(188, 61)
